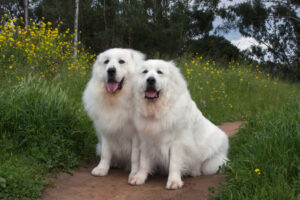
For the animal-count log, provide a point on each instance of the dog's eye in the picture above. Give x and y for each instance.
(106, 61)
(121, 61)
(145, 71)
(159, 72)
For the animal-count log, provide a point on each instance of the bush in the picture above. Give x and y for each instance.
(215, 47)
(42, 126)
(41, 49)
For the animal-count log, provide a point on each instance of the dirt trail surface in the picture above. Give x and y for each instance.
(83, 186)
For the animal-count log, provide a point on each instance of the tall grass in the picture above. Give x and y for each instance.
(233, 91)
(41, 130)
(43, 127)
(265, 156)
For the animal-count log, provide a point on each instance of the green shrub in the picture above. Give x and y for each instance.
(265, 157)
(43, 127)
(214, 47)
(41, 49)
(22, 177)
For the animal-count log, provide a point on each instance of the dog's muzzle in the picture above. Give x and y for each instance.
(112, 85)
(151, 92)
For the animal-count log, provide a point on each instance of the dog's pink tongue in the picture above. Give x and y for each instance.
(112, 86)
(151, 94)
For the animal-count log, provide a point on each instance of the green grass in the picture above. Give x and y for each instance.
(43, 127)
(234, 91)
(270, 143)
(42, 130)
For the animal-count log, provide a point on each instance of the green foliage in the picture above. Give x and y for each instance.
(41, 130)
(41, 49)
(150, 26)
(275, 25)
(41, 120)
(169, 28)
(265, 157)
(13, 8)
(21, 177)
(44, 128)
(227, 91)
(214, 47)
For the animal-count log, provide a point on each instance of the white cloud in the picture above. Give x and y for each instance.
(244, 43)
(226, 3)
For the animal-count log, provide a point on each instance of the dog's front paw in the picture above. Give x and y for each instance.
(174, 184)
(132, 174)
(99, 171)
(136, 180)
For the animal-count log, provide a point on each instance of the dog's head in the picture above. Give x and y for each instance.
(158, 79)
(114, 66)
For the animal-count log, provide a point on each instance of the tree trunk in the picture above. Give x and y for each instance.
(76, 28)
(104, 16)
(26, 13)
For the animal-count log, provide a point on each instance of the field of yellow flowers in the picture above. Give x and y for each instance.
(233, 91)
(43, 127)
(40, 49)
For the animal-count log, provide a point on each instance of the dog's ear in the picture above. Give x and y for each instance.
(176, 76)
(137, 56)
(99, 57)
(96, 64)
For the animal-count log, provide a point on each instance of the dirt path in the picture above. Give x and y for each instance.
(83, 186)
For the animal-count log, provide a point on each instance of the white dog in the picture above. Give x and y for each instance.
(174, 133)
(108, 100)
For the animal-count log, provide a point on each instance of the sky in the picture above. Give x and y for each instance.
(234, 36)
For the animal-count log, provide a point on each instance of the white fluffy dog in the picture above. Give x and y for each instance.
(174, 133)
(108, 100)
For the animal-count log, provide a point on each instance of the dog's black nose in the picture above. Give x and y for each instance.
(151, 80)
(111, 71)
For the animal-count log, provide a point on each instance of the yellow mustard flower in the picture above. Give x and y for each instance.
(257, 171)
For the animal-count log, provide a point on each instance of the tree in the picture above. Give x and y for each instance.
(13, 8)
(275, 25)
(75, 28)
(152, 26)
(26, 13)
(56, 11)
(214, 47)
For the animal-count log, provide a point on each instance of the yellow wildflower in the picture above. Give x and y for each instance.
(258, 172)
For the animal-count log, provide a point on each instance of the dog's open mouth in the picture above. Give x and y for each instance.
(151, 93)
(112, 86)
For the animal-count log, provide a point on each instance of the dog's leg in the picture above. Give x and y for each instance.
(140, 177)
(211, 166)
(104, 164)
(175, 166)
(135, 156)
